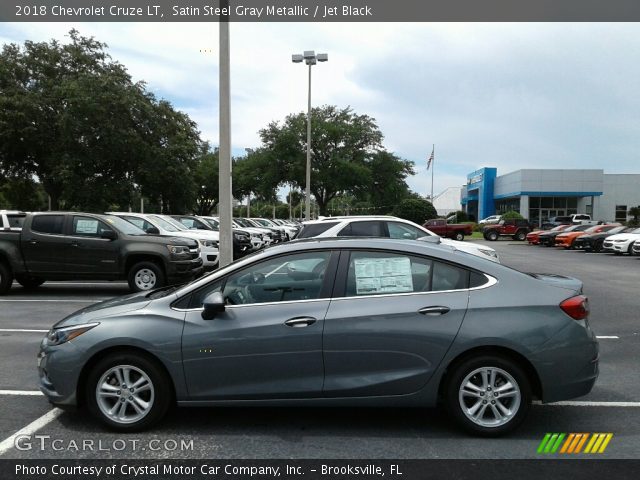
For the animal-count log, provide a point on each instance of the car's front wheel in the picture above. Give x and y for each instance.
(493, 236)
(488, 395)
(128, 392)
(144, 276)
(520, 236)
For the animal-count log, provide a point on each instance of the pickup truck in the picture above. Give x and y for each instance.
(84, 246)
(11, 220)
(440, 227)
(512, 227)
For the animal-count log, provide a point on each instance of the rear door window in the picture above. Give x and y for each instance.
(315, 229)
(52, 224)
(363, 229)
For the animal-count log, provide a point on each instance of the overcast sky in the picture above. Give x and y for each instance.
(511, 96)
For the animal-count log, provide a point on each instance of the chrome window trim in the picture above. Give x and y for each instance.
(491, 281)
(233, 307)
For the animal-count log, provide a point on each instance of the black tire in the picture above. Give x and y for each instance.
(6, 278)
(458, 377)
(598, 246)
(159, 397)
(492, 236)
(520, 235)
(459, 236)
(145, 276)
(30, 283)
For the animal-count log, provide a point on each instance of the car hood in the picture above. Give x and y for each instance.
(624, 236)
(561, 281)
(114, 306)
(472, 249)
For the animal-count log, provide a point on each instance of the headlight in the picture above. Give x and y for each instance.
(490, 253)
(177, 249)
(58, 336)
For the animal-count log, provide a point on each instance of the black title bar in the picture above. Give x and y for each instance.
(320, 11)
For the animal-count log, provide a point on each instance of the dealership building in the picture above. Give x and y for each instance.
(541, 194)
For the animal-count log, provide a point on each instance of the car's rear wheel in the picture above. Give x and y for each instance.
(488, 395)
(6, 278)
(128, 392)
(459, 236)
(493, 236)
(30, 283)
(144, 276)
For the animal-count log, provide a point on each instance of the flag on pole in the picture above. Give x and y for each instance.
(430, 159)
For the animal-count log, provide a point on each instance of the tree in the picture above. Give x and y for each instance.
(341, 143)
(73, 118)
(635, 213)
(22, 194)
(386, 184)
(511, 214)
(206, 181)
(415, 209)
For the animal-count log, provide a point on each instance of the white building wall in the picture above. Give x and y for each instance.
(448, 201)
(618, 189)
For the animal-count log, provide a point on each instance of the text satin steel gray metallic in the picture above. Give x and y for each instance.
(332, 322)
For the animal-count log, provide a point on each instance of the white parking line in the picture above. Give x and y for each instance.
(22, 330)
(592, 404)
(21, 393)
(33, 427)
(615, 337)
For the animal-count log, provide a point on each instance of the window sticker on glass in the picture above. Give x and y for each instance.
(383, 275)
(89, 227)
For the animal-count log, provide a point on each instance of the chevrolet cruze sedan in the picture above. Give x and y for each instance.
(332, 322)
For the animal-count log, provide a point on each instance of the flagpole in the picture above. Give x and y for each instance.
(433, 166)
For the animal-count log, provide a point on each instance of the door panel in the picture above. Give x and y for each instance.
(88, 254)
(249, 352)
(384, 346)
(44, 247)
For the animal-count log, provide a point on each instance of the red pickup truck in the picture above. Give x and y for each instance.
(440, 227)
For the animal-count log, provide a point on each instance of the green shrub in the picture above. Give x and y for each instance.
(417, 210)
(511, 214)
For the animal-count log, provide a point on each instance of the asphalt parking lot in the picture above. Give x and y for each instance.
(611, 283)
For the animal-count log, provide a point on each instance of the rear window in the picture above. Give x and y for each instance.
(48, 224)
(315, 229)
(16, 221)
(363, 229)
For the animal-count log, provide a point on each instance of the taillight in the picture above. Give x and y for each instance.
(576, 307)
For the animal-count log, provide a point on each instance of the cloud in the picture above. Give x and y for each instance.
(512, 96)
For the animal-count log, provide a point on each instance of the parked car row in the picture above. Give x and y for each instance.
(147, 250)
(607, 238)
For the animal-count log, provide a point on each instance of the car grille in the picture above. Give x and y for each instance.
(608, 244)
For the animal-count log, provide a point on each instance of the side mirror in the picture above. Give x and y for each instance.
(152, 231)
(213, 304)
(109, 235)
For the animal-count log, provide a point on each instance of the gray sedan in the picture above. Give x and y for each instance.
(372, 322)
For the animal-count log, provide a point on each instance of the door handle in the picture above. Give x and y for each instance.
(298, 322)
(33, 242)
(432, 311)
(75, 244)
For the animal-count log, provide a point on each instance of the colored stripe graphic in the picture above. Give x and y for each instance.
(573, 443)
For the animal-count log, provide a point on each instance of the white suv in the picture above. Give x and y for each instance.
(208, 243)
(385, 226)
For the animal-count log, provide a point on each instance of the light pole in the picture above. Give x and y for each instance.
(310, 58)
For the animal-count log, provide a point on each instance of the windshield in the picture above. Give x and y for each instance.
(123, 226)
(263, 222)
(165, 225)
(636, 231)
(242, 222)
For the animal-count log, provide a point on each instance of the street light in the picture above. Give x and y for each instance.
(310, 58)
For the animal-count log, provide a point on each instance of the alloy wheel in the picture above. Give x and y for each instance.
(125, 394)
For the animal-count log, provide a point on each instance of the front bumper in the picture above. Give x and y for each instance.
(59, 370)
(621, 247)
(181, 271)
